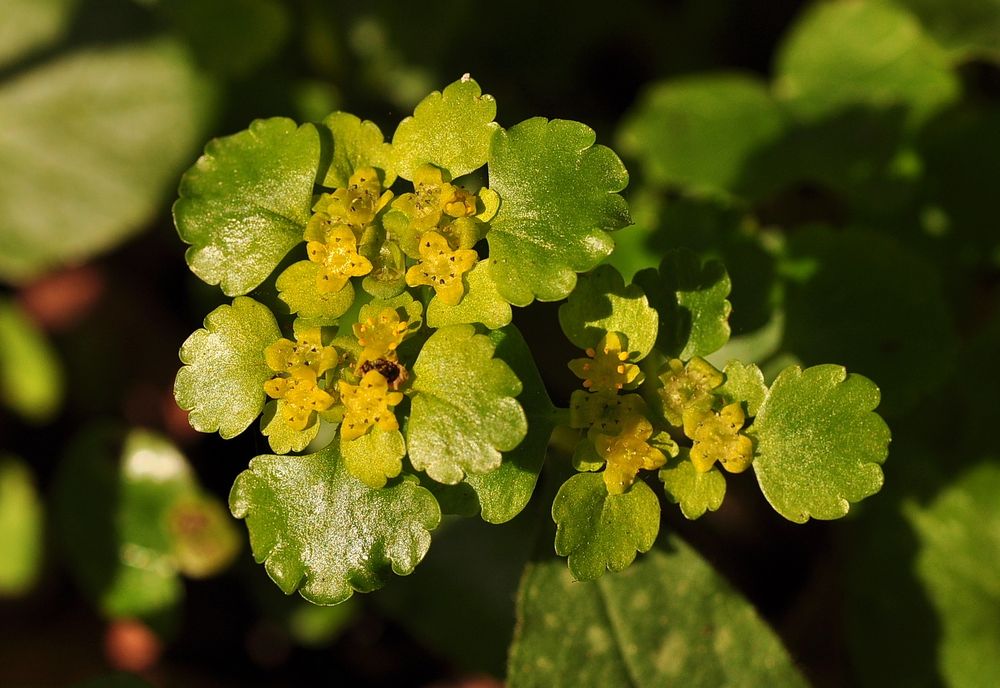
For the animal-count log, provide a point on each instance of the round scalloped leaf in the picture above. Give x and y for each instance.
(21, 523)
(357, 143)
(482, 303)
(861, 54)
(297, 287)
(818, 442)
(375, 457)
(463, 412)
(451, 130)
(599, 531)
(282, 437)
(320, 530)
(601, 303)
(668, 620)
(744, 383)
(222, 381)
(690, 295)
(245, 204)
(694, 491)
(558, 201)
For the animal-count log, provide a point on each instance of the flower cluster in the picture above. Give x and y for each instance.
(301, 384)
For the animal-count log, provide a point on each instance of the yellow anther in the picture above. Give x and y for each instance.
(442, 268)
(302, 397)
(628, 452)
(354, 206)
(606, 369)
(686, 387)
(717, 437)
(339, 259)
(381, 335)
(304, 357)
(367, 404)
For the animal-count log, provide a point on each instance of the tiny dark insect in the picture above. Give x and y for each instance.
(394, 373)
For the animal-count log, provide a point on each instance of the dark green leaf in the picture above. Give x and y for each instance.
(968, 29)
(559, 199)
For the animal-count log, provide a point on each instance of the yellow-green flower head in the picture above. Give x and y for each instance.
(628, 452)
(603, 412)
(302, 396)
(717, 437)
(379, 336)
(442, 268)
(302, 358)
(687, 387)
(432, 198)
(354, 206)
(339, 259)
(368, 404)
(605, 369)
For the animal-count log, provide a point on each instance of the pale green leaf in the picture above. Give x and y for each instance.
(601, 303)
(668, 620)
(245, 204)
(558, 201)
(30, 374)
(30, 25)
(297, 287)
(818, 442)
(463, 412)
(701, 132)
(375, 457)
(450, 129)
(320, 530)
(482, 303)
(690, 294)
(356, 143)
(282, 437)
(957, 558)
(695, 492)
(93, 142)
(862, 54)
(602, 532)
(744, 383)
(222, 381)
(22, 525)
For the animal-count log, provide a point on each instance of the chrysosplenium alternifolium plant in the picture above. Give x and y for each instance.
(390, 360)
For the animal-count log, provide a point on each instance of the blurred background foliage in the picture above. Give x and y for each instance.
(842, 158)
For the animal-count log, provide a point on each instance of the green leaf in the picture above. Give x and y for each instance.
(318, 529)
(559, 200)
(356, 143)
(700, 132)
(695, 492)
(246, 202)
(690, 294)
(601, 303)
(374, 457)
(818, 443)
(669, 620)
(30, 375)
(97, 138)
(222, 381)
(845, 54)
(602, 532)
(282, 437)
(21, 522)
(463, 412)
(744, 383)
(482, 303)
(967, 29)
(30, 25)
(451, 130)
(956, 562)
(297, 287)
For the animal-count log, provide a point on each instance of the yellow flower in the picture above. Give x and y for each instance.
(432, 198)
(381, 335)
(302, 396)
(603, 412)
(627, 453)
(339, 259)
(717, 437)
(687, 387)
(368, 404)
(302, 358)
(354, 206)
(442, 268)
(605, 370)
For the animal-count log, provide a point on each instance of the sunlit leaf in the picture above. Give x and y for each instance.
(356, 144)
(694, 491)
(482, 303)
